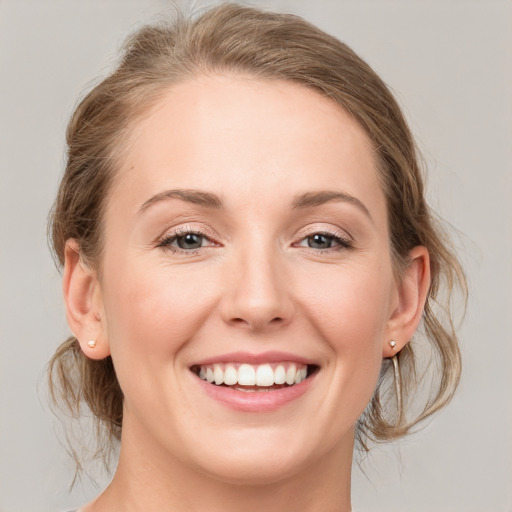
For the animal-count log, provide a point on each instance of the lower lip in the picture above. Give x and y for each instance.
(256, 401)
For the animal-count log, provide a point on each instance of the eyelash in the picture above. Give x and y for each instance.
(342, 242)
(167, 241)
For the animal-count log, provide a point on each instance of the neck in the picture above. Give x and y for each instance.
(150, 481)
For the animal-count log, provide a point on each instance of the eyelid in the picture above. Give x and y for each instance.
(344, 240)
(318, 228)
(170, 235)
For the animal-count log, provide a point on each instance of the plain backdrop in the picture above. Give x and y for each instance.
(449, 63)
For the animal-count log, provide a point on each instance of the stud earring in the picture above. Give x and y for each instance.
(392, 344)
(91, 343)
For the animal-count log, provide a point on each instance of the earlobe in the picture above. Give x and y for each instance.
(412, 294)
(84, 308)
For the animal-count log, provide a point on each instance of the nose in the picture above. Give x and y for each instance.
(259, 294)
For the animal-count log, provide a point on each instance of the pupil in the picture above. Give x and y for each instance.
(190, 241)
(319, 241)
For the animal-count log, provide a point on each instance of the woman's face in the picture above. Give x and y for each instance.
(246, 237)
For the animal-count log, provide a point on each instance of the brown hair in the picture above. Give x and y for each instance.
(232, 38)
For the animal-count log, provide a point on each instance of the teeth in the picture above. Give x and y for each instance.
(263, 375)
(290, 374)
(246, 375)
(280, 375)
(218, 374)
(230, 375)
(300, 375)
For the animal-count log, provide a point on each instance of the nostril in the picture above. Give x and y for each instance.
(257, 323)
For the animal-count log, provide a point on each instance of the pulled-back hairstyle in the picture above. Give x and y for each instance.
(235, 39)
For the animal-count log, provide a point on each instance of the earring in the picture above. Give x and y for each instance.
(91, 343)
(398, 383)
(398, 389)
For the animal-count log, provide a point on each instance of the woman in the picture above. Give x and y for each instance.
(247, 255)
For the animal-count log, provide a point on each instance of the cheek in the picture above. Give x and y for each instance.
(350, 307)
(153, 311)
(349, 310)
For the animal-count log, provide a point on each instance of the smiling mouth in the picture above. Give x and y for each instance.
(249, 378)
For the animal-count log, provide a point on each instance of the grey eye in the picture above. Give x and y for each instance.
(320, 241)
(190, 241)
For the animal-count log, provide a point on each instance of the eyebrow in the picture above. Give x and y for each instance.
(209, 200)
(189, 195)
(310, 199)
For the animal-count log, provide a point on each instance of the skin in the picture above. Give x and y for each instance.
(258, 283)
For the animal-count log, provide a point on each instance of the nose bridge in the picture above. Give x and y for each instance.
(258, 295)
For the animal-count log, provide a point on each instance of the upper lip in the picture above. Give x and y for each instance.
(252, 358)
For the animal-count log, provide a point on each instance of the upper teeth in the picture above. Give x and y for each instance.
(254, 375)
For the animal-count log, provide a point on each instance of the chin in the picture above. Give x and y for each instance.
(261, 456)
(265, 469)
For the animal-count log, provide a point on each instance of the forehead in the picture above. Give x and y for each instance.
(245, 137)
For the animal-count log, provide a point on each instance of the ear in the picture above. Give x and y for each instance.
(84, 306)
(411, 296)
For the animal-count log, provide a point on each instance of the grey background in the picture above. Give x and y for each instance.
(448, 61)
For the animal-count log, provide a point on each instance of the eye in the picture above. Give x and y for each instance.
(320, 241)
(325, 241)
(186, 241)
(190, 241)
